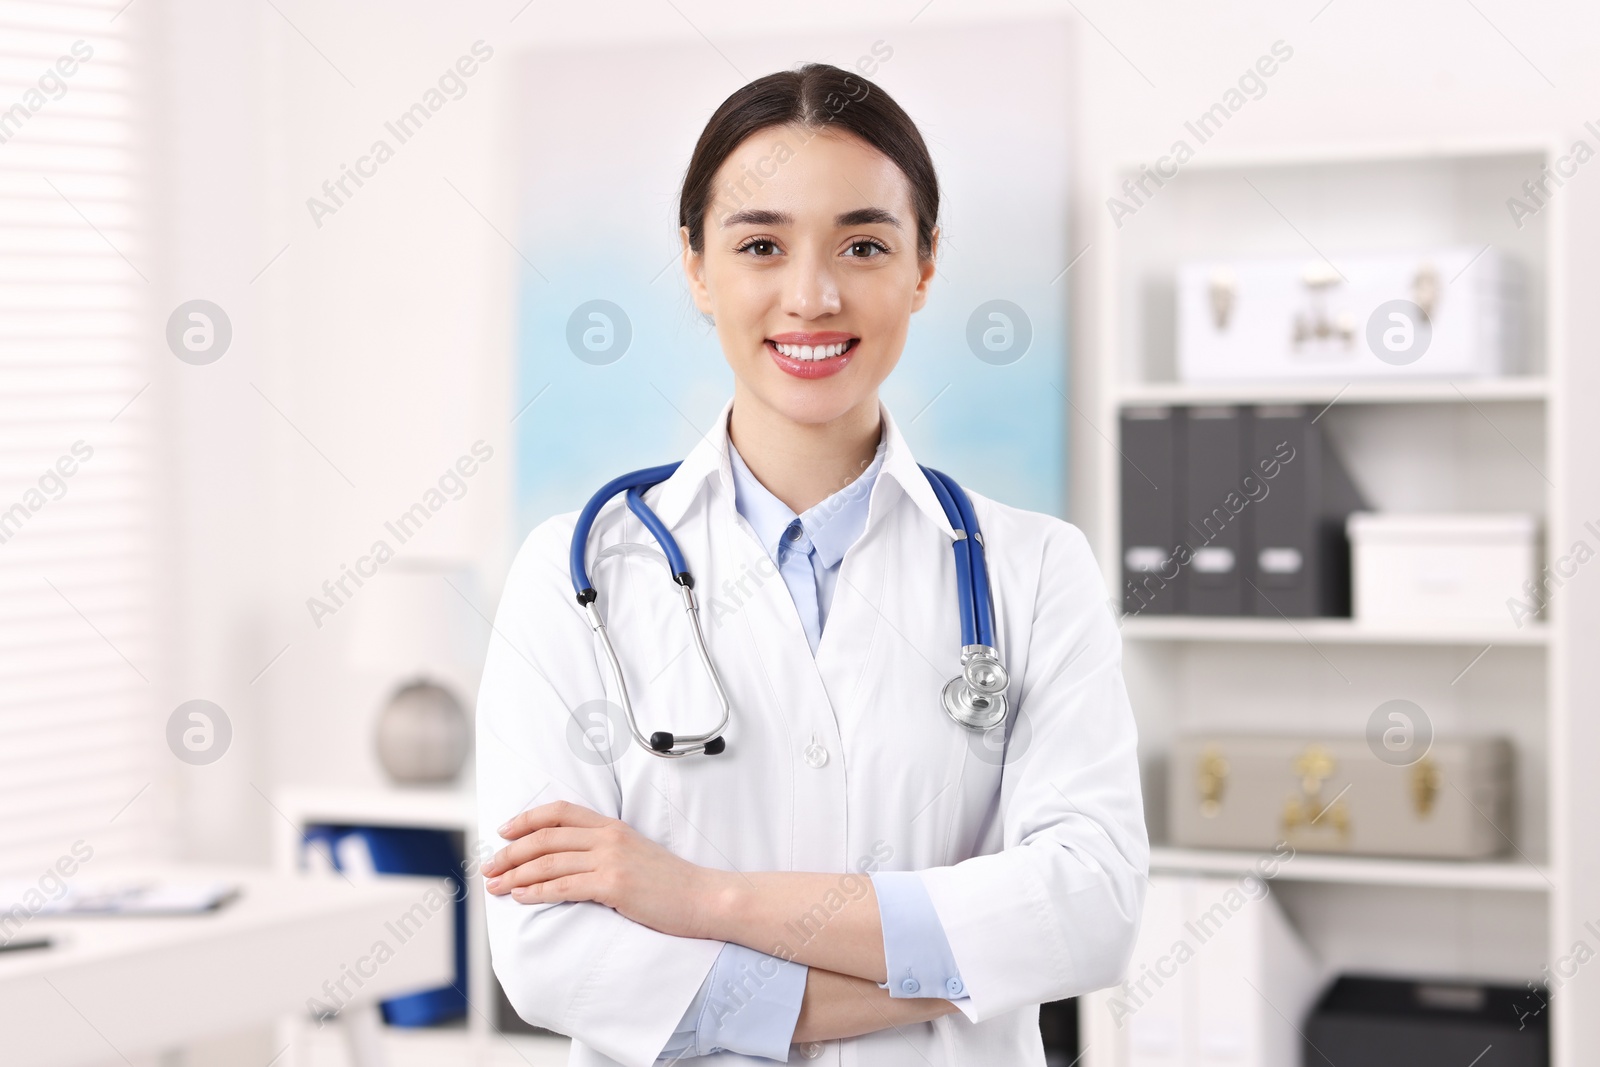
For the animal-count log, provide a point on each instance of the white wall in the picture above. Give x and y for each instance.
(383, 335)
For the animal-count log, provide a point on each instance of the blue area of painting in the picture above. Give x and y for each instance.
(999, 430)
(592, 422)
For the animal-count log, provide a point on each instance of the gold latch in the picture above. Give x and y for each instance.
(1425, 289)
(1424, 786)
(1319, 279)
(1212, 778)
(1224, 292)
(1314, 766)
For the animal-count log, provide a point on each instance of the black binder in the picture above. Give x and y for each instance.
(1299, 557)
(1213, 510)
(1384, 1022)
(1151, 578)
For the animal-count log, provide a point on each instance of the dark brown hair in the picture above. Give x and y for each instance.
(813, 97)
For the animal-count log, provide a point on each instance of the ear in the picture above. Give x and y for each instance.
(926, 269)
(694, 272)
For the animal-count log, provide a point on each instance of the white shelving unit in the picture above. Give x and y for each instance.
(476, 1042)
(1524, 388)
(1322, 631)
(1359, 870)
(1411, 445)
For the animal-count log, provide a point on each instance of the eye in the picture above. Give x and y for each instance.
(754, 241)
(869, 242)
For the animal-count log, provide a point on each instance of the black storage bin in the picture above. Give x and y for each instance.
(1058, 1026)
(1381, 1022)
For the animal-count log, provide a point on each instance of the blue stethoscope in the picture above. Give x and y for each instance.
(975, 698)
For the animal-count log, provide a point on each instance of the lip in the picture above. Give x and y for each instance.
(821, 337)
(816, 368)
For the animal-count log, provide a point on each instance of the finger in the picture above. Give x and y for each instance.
(581, 886)
(542, 869)
(556, 813)
(539, 843)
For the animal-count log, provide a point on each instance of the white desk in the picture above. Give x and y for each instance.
(112, 988)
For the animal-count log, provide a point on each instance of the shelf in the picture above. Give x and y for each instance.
(1322, 631)
(1285, 154)
(1359, 870)
(447, 808)
(1414, 391)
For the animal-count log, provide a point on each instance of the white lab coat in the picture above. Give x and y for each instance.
(1034, 859)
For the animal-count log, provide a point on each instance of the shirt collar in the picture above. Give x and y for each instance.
(708, 466)
(832, 524)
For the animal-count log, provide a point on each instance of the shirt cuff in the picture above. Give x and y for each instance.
(916, 953)
(749, 1004)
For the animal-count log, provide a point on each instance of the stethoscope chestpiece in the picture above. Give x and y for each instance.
(976, 698)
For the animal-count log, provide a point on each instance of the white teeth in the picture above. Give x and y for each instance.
(812, 352)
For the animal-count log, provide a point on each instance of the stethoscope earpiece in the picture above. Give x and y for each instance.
(975, 698)
(662, 743)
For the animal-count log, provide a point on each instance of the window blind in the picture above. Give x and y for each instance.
(80, 736)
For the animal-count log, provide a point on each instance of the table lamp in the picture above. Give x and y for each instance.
(415, 623)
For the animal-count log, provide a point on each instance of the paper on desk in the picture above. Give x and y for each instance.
(119, 897)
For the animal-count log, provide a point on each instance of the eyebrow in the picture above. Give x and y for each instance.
(861, 216)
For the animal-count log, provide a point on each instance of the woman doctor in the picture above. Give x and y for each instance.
(857, 879)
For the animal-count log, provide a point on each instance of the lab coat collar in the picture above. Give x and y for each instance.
(708, 465)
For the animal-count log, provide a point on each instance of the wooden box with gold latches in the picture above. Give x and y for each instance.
(1321, 794)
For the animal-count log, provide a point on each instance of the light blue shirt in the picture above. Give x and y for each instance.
(807, 548)
(757, 996)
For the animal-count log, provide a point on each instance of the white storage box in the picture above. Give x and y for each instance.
(1449, 569)
(1444, 312)
(1218, 977)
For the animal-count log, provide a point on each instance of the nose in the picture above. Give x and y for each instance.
(810, 290)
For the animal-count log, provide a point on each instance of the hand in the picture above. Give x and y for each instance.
(563, 851)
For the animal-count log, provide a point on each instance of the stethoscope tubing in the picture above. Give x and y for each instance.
(962, 547)
(663, 536)
(982, 597)
(642, 479)
(975, 698)
(972, 564)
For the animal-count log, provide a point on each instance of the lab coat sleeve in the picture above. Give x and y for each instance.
(1054, 913)
(685, 1039)
(577, 967)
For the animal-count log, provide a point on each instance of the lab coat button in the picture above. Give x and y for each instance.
(954, 987)
(910, 985)
(816, 755)
(811, 1050)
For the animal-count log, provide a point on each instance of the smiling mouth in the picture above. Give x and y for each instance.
(814, 353)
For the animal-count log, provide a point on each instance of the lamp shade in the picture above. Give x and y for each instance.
(417, 617)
